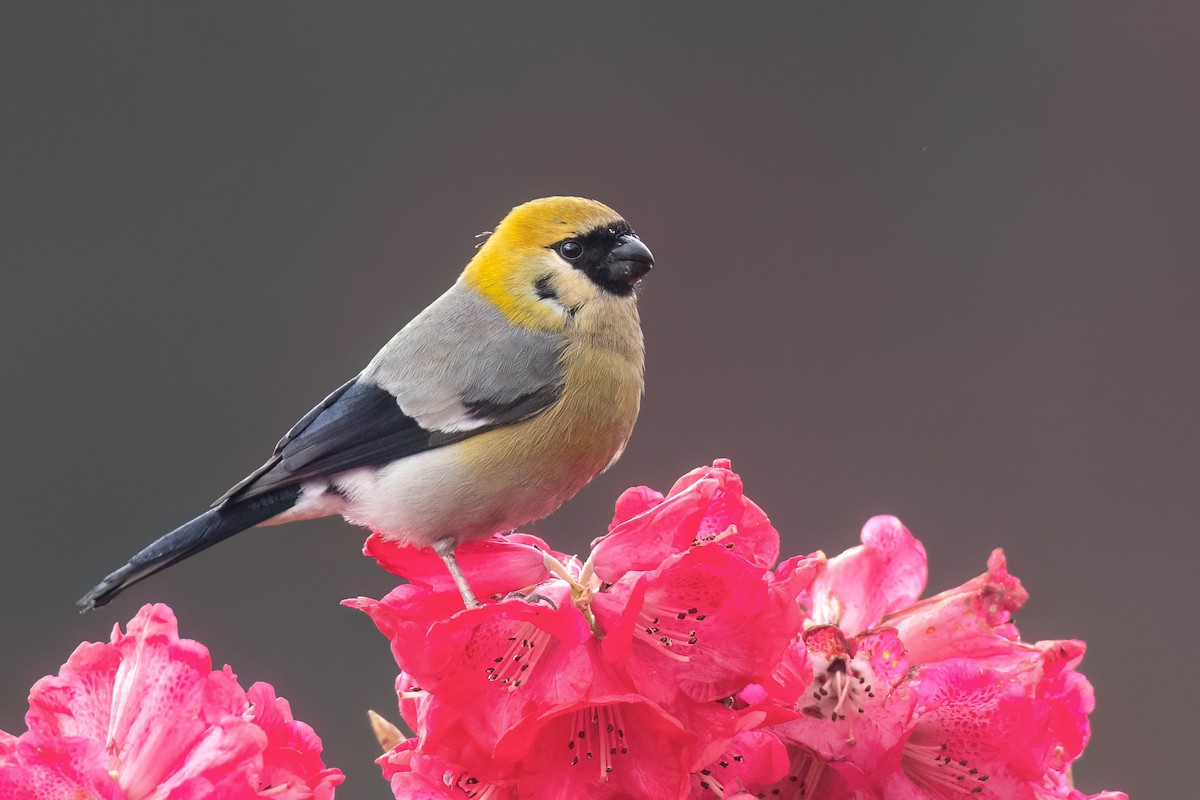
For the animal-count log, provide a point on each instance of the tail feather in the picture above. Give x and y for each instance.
(214, 525)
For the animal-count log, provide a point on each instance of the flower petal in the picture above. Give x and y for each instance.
(969, 621)
(37, 767)
(496, 565)
(704, 505)
(292, 763)
(608, 748)
(157, 688)
(707, 622)
(144, 717)
(886, 572)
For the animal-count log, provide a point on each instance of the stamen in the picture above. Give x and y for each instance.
(525, 648)
(713, 538)
(806, 771)
(670, 628)
(470, 786)
(837, 688)
(713, 785)
(932, 767)
(599, 732)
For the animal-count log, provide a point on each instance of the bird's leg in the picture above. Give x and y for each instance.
(445, 550)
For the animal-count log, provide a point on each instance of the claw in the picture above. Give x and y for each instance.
(532, 597)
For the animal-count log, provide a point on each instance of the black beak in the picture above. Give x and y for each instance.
(628, 261)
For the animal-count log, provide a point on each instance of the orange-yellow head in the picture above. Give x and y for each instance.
(552, 257)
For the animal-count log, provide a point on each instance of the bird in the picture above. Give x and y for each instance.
(488, 410)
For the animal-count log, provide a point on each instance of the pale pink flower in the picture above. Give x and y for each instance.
(1057, 786)
(145, 716)
(952, 655)
(857, 705)
(855, 589)
(973, 620)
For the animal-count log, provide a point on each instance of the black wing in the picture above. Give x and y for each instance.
(362, 425)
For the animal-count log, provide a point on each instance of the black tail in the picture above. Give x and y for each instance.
(214, 525)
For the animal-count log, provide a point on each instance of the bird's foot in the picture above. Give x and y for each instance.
(531, 597)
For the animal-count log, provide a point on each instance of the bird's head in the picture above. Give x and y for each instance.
(550, 258)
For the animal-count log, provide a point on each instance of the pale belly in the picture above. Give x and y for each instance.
(468, 491)
(434, 496)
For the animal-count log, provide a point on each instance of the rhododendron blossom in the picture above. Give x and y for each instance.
(144, 716)
(678, 660)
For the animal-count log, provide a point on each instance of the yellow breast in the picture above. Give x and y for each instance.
(554, 454)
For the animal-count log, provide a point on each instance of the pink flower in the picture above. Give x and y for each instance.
(292, 764)
(145, 716)
(972, 620)
(752, 761)
(758, 764)
(518, 657)
(934, 665)
(1057, 786)
(1001, 730)
(55, 769)
(606, 747)
(971, 733)
(513, 656)
(706, 622)
(494, 566)
(677, 661)
(704, 506)
(418, 776)
(858, 702)
(857, 588)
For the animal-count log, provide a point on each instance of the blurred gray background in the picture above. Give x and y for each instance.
(937, 260)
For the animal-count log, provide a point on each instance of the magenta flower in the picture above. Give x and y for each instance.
(145, 716)
(705, 623)
(607, 746)
(691, 616)
(678, 661)
(496, 565)
(419, 776)
(513, 656)
(754, 760)
(705, 506)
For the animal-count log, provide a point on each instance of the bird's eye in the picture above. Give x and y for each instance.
(570, 249)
